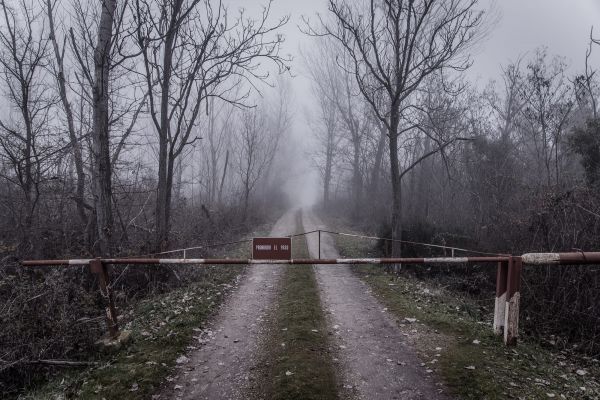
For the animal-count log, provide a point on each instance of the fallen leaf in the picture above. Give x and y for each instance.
(182, 359)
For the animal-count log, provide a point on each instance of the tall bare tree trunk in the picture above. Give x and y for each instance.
(356, 176)
(75, 145)
(163, 198)
(28, 180)
(376, 171)
(327, 177)
(223, 178)
(396, 183)
(101, 167)
(214, 159)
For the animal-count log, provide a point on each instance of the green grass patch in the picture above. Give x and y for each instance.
(453, 335)
(298, 356)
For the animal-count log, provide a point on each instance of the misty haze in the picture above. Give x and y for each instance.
(317, 199)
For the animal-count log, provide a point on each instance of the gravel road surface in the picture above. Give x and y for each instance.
(376, 362)
(222, 367)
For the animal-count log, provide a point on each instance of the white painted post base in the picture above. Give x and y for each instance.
(500, 305)
(499, 312)
(513, 296)
(511, 322)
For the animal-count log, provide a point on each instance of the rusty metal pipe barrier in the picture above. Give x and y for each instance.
(572, 258)
(508, 279)
(99, 266)
(218, 261)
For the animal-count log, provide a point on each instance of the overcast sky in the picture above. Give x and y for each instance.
(561, 25)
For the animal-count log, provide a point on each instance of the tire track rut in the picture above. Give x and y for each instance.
(222, 367)
(377, 363)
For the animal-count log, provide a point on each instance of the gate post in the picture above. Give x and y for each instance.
(319, 244)
(101, 270)
(513, 296)
(500, 303)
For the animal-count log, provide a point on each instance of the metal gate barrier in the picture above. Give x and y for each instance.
(508, 280)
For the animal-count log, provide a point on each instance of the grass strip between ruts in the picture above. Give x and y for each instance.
(298, 357)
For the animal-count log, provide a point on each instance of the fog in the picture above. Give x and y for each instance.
(518, 28)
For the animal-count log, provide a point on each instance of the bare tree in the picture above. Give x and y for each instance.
(23, 51)
(586, 84)
(548, 107)
(218, 134)
(328, 141)
(115, 103)
(392, 46)
(377, 166)
(191, 50)
(508, 106)
(101, 165)
(255, 151)
(75, 141)
(351, 109)
(279, 121)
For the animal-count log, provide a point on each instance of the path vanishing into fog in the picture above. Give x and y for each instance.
(222, 367)
(376, 361)
(373, 359)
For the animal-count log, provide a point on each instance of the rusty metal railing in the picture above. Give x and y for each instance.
(508, 280)
(245, 261)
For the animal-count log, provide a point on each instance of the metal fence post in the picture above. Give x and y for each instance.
(101, 270)
(500, 303)
(319, 244)
(513, 296)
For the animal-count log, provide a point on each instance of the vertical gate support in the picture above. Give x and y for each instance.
(319, 244)
(513, 296)
(500, 304)
(101, 270)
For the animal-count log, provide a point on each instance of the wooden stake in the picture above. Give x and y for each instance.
(101, 270)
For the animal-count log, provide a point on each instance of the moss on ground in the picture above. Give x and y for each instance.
(298, 359)
(454, 337)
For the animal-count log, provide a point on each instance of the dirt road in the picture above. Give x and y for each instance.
(376, 362)
(222, 367)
